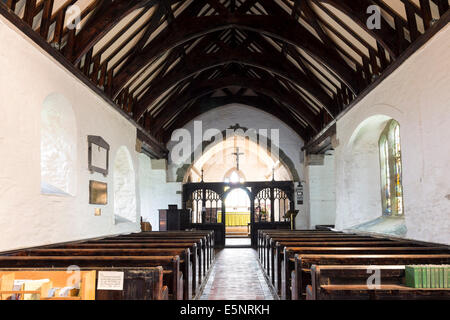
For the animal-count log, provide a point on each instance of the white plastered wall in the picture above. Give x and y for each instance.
(156, 192)
(27, 217)
(417, 95)
(321, 192)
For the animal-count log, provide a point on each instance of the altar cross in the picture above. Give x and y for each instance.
(237, 154)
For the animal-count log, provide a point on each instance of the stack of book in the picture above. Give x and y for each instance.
(428, 276)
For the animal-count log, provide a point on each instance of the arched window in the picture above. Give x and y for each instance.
(391, 170)
(124, 187)
(58, 147)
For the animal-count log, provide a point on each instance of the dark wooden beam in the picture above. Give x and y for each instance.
(266, 87)
(421, 41)
(289, 31)
(107, 14)
(357, 10)
(196, 63)
(262, 103)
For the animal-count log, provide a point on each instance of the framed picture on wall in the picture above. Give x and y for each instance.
(98, 154)
(98, 193)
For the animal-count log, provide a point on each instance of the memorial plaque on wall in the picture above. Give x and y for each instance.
(98, 193)
(98, 153)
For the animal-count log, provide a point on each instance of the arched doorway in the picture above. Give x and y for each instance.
(238, 209)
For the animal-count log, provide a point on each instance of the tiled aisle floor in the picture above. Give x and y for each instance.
(238, 242)
(236, 275)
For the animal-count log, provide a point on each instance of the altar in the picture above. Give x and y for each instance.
(235, 219)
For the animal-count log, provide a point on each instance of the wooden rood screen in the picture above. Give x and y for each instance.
(269, 203)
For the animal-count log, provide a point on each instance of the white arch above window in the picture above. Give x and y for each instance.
(124, 187)
(58, 146)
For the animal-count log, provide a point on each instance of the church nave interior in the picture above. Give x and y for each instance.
(224, 150)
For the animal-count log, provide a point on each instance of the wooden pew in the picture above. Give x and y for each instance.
(350, 282)
(276, 250)
(200, 244)
(172, 276)
(139, 283)
(178, 234)
(264, 238)
(206, 245)
(183, 253)
(206, 236)
(297, 269)
(269, 243)
(263, 235)
(197, 266)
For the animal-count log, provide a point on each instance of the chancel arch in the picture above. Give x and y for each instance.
(217, 153)
(58, 147)
(223, 185)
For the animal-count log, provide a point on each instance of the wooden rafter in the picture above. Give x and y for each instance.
(301, 60)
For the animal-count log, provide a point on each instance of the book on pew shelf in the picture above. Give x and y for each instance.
(432, 277)
(424, 276)
(446, 277)
(413, 276)
(441, 277)
(418, 276)
(409, 276)
(436, 277)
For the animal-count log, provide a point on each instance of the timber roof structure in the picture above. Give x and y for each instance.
(164, 62)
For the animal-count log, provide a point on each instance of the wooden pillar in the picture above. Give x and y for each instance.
(272, 206)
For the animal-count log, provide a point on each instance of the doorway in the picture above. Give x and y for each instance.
(237, 218)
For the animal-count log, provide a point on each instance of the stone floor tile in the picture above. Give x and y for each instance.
(236, 275)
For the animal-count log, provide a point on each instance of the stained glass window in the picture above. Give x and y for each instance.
(391, 170)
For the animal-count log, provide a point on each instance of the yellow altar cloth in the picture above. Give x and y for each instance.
(235, 219)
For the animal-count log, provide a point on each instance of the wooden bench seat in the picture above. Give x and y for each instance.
(274, 253)
(350, 283)
(264, 236)
(270, 244)
(375, 250)
(297, 270)
(204, 257)
(172, 277)
(207, 237)
(174, 235)
(199, 272)
(204, 242)
(184, 254)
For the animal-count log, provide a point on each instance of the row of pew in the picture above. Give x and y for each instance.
(329, 265)
(156, 265)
